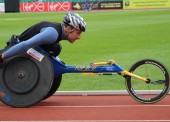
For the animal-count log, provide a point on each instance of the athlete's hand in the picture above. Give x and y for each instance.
(1, 60)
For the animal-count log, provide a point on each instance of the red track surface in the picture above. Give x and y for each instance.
(96, 108)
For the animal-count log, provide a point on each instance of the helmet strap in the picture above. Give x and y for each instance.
(67, 33)
(70, 32)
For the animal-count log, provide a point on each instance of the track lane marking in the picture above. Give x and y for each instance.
(100, 106)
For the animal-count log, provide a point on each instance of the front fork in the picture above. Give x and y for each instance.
(127, 73)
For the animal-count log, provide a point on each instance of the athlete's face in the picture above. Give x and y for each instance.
(73, 36)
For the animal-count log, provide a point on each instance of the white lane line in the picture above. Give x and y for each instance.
(98, 121)
(101, 106)
(115, 121)
(104, 121)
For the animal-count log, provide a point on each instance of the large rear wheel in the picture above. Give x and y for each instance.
(55, 86)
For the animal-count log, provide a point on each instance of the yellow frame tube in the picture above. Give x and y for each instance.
(133, 75)
(111, 62)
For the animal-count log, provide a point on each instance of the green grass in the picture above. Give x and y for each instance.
(126, 36)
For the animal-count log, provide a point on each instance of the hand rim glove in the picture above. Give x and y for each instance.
(1, 60)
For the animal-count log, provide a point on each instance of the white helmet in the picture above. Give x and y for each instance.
(75, 20)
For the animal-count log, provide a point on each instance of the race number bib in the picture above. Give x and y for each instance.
(35, 54)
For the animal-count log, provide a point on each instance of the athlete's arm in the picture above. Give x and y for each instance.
(47, 35)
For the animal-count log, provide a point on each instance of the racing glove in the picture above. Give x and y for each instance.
(1, 60)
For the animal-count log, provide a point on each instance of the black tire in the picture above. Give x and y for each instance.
(55, 86)
(24, 80)
(153, 91)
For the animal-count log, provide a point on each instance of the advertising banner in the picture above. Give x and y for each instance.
(98, 5)
(111, 5)
(144, 4)
(45, 6)
(2, 6)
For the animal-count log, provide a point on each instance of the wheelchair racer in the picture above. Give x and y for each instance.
(47, 35)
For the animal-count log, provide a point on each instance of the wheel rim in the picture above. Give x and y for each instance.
(148, 92)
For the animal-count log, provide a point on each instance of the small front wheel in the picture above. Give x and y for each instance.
(152, 91)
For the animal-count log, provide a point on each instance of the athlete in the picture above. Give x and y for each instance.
(47, 35)
(86, 6)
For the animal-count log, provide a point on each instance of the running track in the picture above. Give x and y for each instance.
(89, 109)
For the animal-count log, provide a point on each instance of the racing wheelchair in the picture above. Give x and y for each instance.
(28, 78)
